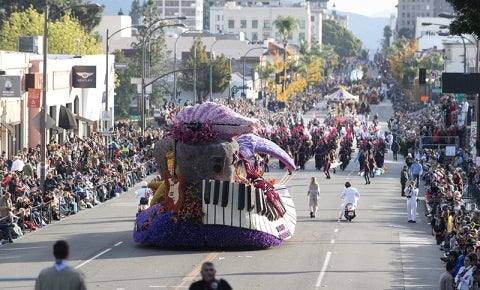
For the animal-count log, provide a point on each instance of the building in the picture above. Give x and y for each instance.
(192, 9)
(255, 20)
(75, 86)
(428, 31)
(409, 10)
(342, 20)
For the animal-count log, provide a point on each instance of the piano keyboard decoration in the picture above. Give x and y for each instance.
(241, 205)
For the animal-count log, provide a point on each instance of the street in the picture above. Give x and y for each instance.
(377, 250)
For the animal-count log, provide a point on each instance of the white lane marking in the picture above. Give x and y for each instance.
(93, 258)
(332, 241)
(335, 231)
(195, 271)
(324, 268)
(118, 244)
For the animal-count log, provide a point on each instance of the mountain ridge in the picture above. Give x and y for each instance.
(368, 29)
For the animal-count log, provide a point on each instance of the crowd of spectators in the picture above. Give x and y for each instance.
(79, 174)
(434, 136)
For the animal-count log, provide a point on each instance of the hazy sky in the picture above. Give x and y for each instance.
(376, 8)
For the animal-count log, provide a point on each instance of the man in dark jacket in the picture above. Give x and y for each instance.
(395, 148)
(208, 279)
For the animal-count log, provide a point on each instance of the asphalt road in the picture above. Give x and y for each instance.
(378, 250)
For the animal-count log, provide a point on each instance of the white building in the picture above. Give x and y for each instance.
(192, 9)
(432, 33)
(256, 21)
(428, 30)
(74, 84)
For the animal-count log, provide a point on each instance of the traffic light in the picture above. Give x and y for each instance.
(277, 78)
(422, 76)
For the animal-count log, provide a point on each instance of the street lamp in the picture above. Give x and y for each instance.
(244, 57)
(107, 70)
(175, 61)
(211, 68)
(43, 112)
(285, 42)
(144, 37)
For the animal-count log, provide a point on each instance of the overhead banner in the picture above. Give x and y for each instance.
(84, 77)
(10, 86)
(33, 98)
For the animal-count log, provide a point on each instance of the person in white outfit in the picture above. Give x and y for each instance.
(464, 277)
(144, 196)
(348, 195)
(313, 194)
(411, 192)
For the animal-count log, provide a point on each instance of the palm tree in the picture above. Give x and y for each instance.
(285, 26)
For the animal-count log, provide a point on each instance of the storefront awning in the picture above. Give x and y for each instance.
(66, 119)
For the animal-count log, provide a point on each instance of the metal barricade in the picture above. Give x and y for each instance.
(443, 141)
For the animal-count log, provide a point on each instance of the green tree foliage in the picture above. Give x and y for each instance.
(196, 60)
(405, 32)
(125, 92)
(285, 25)
(153, 39)
(344, 42)
(466, 19)
(403, 60)
(62, 33)
(387, 33)
(220, 69)
(88, 18)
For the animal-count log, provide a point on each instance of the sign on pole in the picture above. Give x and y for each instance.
(106, 115)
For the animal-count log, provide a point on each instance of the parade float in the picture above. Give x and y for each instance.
(209, 195)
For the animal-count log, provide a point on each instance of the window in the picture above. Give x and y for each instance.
(266, 23)
(254, 23)
(243, 24)
(266, 35)
(254, 36)
(302, 24)
(231, 24)
(301, 36)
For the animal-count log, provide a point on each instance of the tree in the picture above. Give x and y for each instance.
(285, 25)
(198, 60)
(136, 12)
(344, 42)
(311, 63)
(62, 33)
(405, 32)
(88, 18)
(466, 17)
(403, 61)
(125, 92)
(155, 52)
(387, 34)
(196, 71)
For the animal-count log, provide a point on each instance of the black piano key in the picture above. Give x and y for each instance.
(242, 196)
(216, 193)
(225, 193)
(259, 202)
(206, 191)
(250, 198)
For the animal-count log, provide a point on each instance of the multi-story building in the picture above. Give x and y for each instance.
(255, 20)
(192, 9)
(409, 10)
